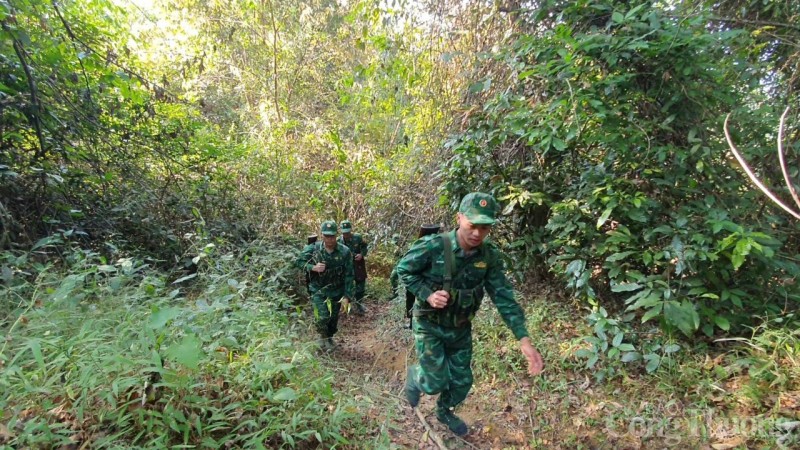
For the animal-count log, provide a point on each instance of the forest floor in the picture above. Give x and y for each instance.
(565, 408)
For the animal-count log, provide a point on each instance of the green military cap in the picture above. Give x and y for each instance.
(346, 226)
(328, 228)
(478, 208)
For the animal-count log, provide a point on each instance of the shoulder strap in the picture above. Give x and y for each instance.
(447, 277)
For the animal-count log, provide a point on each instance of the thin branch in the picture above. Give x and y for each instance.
(74, 43)
(275, 60)
(755, 22)
(783, 161)
(37, 107)
(142, 79)
(433, 435)
(752, 176)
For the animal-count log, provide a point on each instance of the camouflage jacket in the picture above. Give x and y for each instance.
(338, 273)
(421, 271)
(356, 244)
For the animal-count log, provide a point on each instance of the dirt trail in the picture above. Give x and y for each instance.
(376, 349)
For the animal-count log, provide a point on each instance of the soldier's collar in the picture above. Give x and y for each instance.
(460, 251)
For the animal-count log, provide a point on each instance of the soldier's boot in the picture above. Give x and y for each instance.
(412, 391)
(453, 422)
(327, 345)
(360, 309)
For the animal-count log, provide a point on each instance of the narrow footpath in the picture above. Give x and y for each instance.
(374, 351)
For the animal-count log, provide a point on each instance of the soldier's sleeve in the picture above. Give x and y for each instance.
(349, 275)
(304, 261)
(502, 294)
(411, 267)
(364, 247)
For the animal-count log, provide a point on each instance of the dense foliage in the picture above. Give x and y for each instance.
(155, 155)
(117, 353)
(91, 148)
(602, 133)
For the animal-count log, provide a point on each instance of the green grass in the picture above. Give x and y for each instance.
(121, 356)
(735, 392)
(117, 356)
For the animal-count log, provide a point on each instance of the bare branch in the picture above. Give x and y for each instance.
(783, 161)
(752, 176)
(274, 60)
(35, 115)
(436, 438)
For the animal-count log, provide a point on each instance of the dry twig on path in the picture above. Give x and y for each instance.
(433, 435)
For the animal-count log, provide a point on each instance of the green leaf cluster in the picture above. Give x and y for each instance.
(615, 173)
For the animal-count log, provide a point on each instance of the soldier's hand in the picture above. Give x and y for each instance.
(439, 299)
(319, 267)
(359, 257)
(535, 361)
(345, 304)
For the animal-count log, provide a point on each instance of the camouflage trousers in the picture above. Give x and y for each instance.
(444, 367)
(394, 279)
(361, 288)
(326, 310)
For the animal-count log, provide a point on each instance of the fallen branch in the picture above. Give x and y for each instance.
(436, 438)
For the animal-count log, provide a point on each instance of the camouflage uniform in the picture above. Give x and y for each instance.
(328, 288)
(394, 279)
(356, 245)
(443, 337)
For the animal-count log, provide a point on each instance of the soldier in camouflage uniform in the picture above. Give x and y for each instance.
(358, 248)
(442, 326)
(394, 279)
(330, 268)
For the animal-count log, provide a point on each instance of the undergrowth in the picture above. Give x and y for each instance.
(116, 354)
(739, 392)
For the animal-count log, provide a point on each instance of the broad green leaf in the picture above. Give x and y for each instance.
(626, 287)
(617, 339)
(160, 318)
(604, 217)
(187, 352)
(575, 267)
(619, 256)
(652, 364)
(722, 323)
(626, 347)
(36, 351)
(285, 394)
(631, 356)
(646, 302)
(187, 277)
(682, 315)
(672, 348)
(737, 260)
(47, 241)
(652, 312)
(69, 284)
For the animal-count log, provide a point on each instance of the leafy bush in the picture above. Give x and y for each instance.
(118, 353)
(600, 133)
